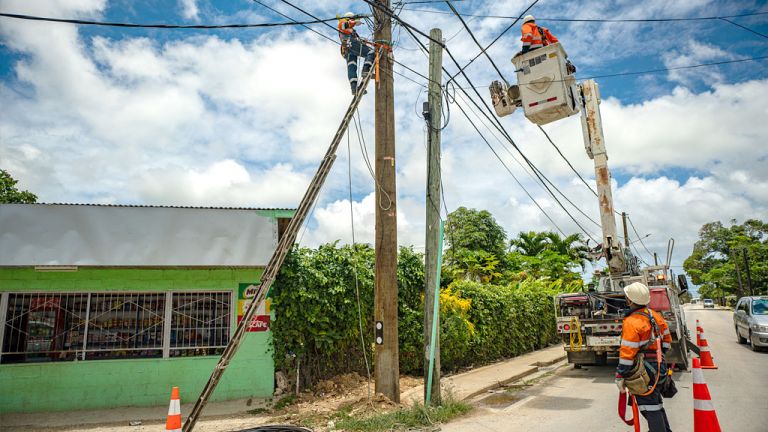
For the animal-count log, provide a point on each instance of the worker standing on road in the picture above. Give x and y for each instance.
(642, 330)
(352, 48)
(534, 36)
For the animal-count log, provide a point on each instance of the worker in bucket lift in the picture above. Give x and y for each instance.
(352, 48)
(535, 37)
(639, 363)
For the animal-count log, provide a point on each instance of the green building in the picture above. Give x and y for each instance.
(106, 306)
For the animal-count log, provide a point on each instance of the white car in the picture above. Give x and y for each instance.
(708, 303)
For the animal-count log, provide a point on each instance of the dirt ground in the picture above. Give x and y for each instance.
(312, 409)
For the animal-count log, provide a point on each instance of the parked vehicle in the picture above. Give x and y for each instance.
(750, 318)
(708, 303)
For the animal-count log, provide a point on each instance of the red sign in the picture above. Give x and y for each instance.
(259, 323)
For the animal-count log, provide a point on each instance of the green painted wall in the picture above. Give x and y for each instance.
(97, 384)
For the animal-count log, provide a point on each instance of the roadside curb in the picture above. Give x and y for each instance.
(532, 369)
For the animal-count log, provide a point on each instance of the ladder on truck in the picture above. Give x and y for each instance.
(278, 256)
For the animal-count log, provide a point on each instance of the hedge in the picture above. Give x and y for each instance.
(316, 315)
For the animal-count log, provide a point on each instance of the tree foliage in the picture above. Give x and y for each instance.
(10, 194)
(720, 249)
(477, 245)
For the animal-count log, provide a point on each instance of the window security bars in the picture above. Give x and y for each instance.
(47, 327)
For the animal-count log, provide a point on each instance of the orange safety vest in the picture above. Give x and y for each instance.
(636, 335)
(533, 38)
(346, 28)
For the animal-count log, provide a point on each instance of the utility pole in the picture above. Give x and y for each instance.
(385, 298)
(749, 275)
(626, 233)
(432, 116)
(738, 275)
(655, 259)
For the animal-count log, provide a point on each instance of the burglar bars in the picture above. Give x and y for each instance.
(44, 327)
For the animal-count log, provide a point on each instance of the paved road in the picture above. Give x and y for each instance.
(585, 399)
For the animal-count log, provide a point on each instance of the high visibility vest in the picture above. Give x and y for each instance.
(346, 29)
(636, 335)
(533, 38)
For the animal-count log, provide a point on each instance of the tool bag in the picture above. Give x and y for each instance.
(668, 388)
(638, 380)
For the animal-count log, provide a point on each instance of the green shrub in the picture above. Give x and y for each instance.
(316, 315)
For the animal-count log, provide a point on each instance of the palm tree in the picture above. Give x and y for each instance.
(529, 243)
(572, 246)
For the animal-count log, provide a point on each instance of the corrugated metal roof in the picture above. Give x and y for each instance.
(166, 206)
(136, 235)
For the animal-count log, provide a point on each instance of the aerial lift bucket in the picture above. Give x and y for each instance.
(505, 99)
(546, 90)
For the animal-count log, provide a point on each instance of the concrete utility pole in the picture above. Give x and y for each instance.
(749, 275)
(435, 100)
(385, 299)
(626, 233)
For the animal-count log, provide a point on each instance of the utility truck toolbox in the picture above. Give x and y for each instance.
(547, 91)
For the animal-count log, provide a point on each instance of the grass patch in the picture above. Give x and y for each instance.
(284, 402)
(415, 416)
(258, 411)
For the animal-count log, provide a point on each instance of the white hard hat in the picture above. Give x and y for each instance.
(528, 18)
(638, 293)
(349, 15)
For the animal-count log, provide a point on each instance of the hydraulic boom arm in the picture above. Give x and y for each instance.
(594, 142)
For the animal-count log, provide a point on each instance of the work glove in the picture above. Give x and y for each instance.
(620, 383)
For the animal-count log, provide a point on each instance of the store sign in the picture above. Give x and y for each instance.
(245, 294)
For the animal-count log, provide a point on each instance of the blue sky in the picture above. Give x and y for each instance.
(241, 117)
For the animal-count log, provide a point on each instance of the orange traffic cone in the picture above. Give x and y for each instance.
(704, 415)
(173, 423)
(698, 333)
(705, 355)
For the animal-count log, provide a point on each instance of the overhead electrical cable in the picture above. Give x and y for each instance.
(336, 30)
(337, 42)
(411, 29)
(745, 28)
(638, 236)
(596, 20)
(483, 50)
(160, 26)
(567, 161)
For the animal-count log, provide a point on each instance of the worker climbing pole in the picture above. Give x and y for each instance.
(278, 256)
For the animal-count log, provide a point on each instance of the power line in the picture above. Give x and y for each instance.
(745, 28)
(567, 161)
(638, 236)
(336, 30)
(159, 26)
(483, 50)
(536, 170)
(497, 124)
(598, 20)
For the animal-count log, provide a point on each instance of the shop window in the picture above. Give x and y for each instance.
(43, 327)
(199, 323)
(46, 327)
(125, 326)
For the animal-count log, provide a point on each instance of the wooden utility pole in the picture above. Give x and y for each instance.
(749, 275)
(435, 100)
(626, 233)
(385, 298)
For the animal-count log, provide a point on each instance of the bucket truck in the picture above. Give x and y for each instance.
(590, 322)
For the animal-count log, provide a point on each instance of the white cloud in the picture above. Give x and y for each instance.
(209, 121)
(189, 9)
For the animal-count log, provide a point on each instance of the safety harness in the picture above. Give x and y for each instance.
(639, 373)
